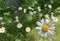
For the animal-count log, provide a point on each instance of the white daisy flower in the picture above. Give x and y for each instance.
(45, 28)
(17, 20)
(55, 19)
(20, 8)
(27, 29)
(30, 8)
(31, 13)
(45, 5)
(52, 13)
(2, 30)
(34, 12)
(25, 10)
(16, 17)
(39, 9)
(2, 23)
(1, 18)
(19, 25)
(50, 6)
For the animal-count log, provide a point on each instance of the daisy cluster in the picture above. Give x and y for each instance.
(44, 24)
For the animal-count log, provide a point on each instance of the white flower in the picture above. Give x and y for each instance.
(55, 19)
(45, 5)
(16, 17)
(30, 8)
(45, 28)
(2, 23)
(19, 25)
(17, 20)
(2, 30)
(39, 9)
(52, 13)
(50, 6)
(34, 12)
(1, 18)
(20, 8)
(40, 15)
(35, 2)
(31, 13)
(27, 29)
(25, 10)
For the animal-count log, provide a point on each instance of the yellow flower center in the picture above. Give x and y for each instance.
(45, 28)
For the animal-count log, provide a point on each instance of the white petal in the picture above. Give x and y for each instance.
(52, 28)
(46, 34)
(51, 24)
(41, 33)
(50, 32)
(47, 21)
(39, 24)
(38, 28)
(42, 21)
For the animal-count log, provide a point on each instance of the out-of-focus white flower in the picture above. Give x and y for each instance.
(50, 6)
(55, 19)
(30, 8)
(25, 10)
(45, 5)
(47, 16)
(20, 8)
(17, 20)
(40, 15)
(2, 30)
(39, 9)
(19, 25)
(35, 2)
(1, 18)
(45, 28)
(16, 17)
(34, 12)
(31, 13)
(52, 13)
(2, 23)
(27, 29)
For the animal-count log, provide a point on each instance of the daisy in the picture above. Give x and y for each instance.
(39, 9)
(20, 8)
(16, 17)
(19, 25)
(55, 19)
(27, 29)
(2, 30)
(25, 10)
(30, 8)
(17, 20)
(45, 28)
(1, 18)
(50, 6)
(31, 13)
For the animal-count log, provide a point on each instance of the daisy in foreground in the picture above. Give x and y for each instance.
(45, 28)
(2, 30)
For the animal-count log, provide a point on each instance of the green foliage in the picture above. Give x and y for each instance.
(9, 12)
